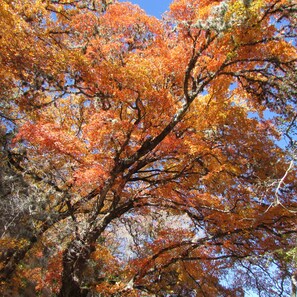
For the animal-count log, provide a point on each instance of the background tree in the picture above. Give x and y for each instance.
(139, 155)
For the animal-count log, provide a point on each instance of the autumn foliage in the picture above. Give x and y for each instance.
(146, 157)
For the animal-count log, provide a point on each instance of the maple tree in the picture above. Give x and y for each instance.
(137, 155)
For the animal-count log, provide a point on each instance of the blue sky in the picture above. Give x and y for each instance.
(153, 7)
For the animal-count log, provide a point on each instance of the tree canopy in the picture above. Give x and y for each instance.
(147, 157)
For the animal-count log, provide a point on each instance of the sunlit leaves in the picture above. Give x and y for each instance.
(149, 144)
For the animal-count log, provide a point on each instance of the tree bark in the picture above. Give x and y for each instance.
(72, 270)
(71, 288)
(75, 257)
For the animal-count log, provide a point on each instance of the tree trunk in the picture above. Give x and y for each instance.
(73, 264)
(71, 288)
(75, 259)
(76, 256)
